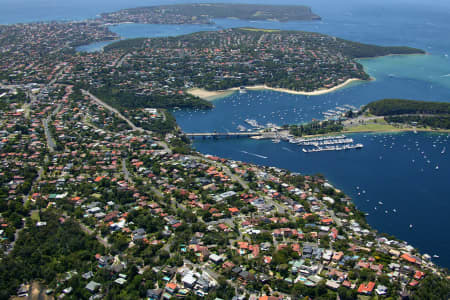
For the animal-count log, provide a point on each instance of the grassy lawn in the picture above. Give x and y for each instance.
(35, 216)
(371, 127)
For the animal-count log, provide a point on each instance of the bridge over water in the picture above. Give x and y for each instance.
(222, 134)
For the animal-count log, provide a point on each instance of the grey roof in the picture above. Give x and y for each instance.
(88, 275)
(154, 293)
(92, 286)
(140, 231)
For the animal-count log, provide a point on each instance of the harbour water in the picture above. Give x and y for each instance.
(391, 168)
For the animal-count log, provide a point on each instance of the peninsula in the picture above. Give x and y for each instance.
(205, 13)
(211, 64)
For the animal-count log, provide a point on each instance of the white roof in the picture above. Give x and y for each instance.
(120, 281)
(215, 257)
(332, 284)
(189, 279)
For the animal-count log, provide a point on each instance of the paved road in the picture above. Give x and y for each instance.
(100, 239)
(279, 207)
(167, 245)
(37, 179)
(119, 64)
(335, 219)
(131, 124)
(56, 77)
(224, 168)
(211, 273)
(89, 231)
(112, 109)
(50, 143)
(125, 171)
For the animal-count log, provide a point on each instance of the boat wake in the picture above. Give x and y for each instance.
(254, 154)
(287, 149)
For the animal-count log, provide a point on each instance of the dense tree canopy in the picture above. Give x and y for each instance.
(45, 251)
(400, 106)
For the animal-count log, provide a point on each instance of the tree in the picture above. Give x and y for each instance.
(432, 287)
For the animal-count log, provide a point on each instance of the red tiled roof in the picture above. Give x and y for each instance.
(408, 258)
(366, 288)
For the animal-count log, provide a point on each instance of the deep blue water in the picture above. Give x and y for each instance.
(383, 170)
(385, 174)
(280, 108)
(419, 197)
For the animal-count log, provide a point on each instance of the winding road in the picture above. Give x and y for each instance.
(121, 116)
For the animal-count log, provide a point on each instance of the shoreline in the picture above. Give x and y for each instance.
(398, 130)
(392, 55)
(213, 95)
(421, 130)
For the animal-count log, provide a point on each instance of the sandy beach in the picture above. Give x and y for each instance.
(212, 95)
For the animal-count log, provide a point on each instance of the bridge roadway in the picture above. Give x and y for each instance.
(223, 134)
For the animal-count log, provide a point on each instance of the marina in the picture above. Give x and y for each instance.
(253, 123)
(326, 143)
(338, 112)
(333, 148)
(319, 144)
(329, 142)
(302, 141)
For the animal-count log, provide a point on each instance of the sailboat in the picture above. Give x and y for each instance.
(443, 150)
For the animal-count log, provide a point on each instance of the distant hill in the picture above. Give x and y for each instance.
(281, 13)
(204, 12)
